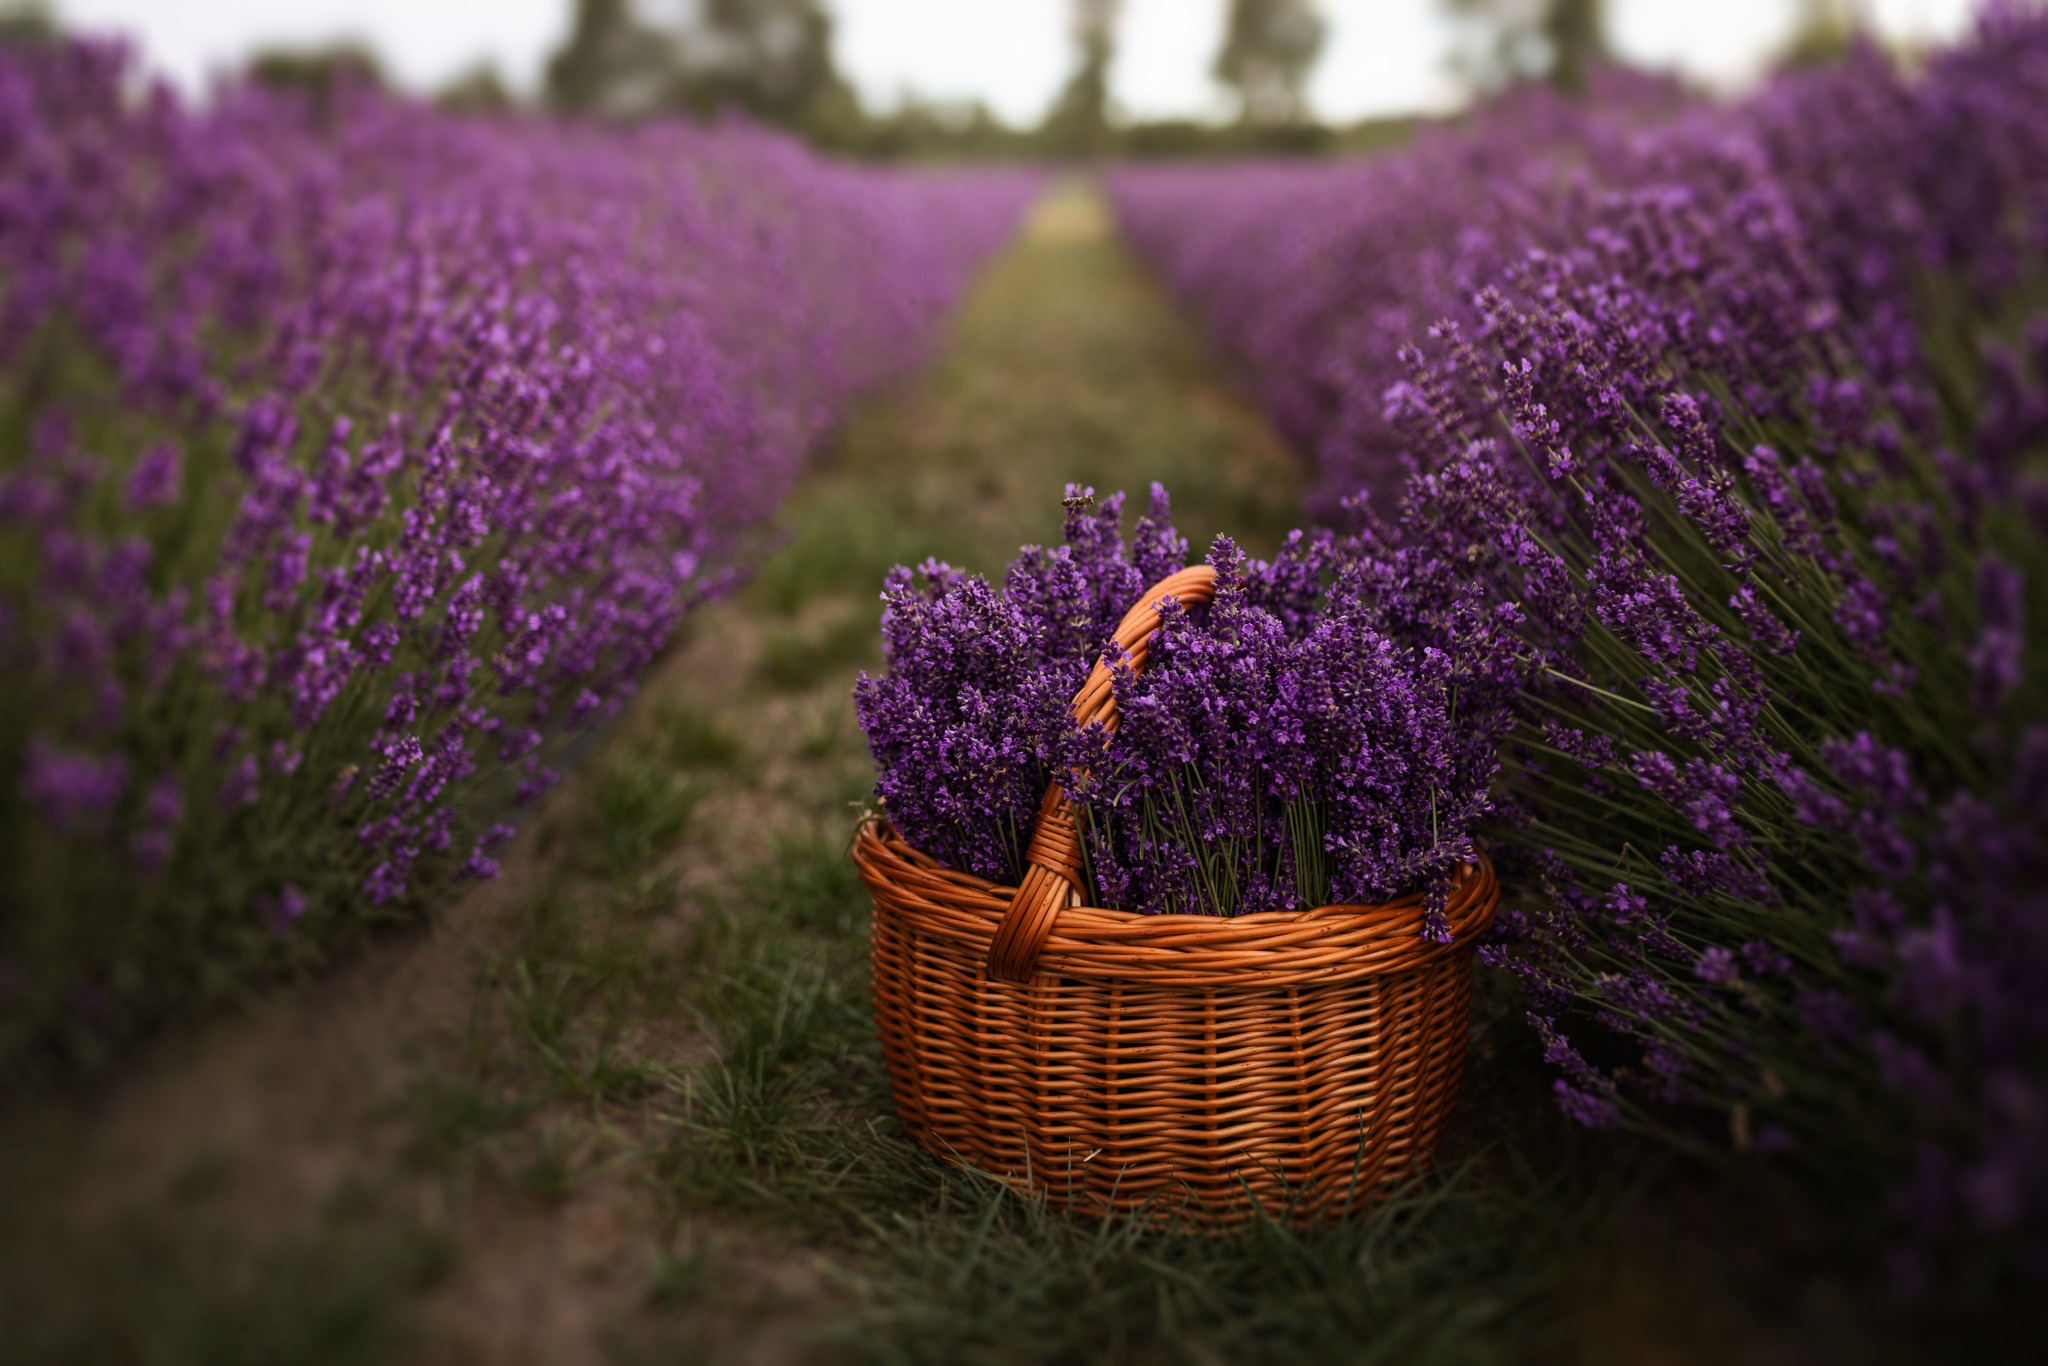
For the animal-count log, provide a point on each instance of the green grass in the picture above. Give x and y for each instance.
(787, 1125)
(329, 1300)
(828, 730)
(1458, 1270)
(790, 1123)
(549, 1171)
(691, 737)
(173, 1289)
(795, 660)
(637, 809)
(843, 554)
(684, 1271)
(454, 1118)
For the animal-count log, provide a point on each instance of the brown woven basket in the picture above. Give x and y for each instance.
(1182, 1066)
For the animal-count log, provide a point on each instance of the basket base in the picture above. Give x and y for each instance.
(1295, 1073)
(1185, 1106)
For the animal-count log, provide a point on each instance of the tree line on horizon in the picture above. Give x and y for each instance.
(773, 61)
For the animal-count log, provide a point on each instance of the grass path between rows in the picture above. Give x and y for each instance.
(624, 1104)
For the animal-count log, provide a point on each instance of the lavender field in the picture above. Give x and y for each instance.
(463, 576)
(362, 468)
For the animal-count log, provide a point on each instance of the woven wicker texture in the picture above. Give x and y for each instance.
(1183, 1066)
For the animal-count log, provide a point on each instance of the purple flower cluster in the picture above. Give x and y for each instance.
(364, 453)
(1303, 270)
(1742, 417)
(979, 683)
(1302, 740)
(1314, 276)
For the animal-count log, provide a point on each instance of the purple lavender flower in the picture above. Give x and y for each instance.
(73, 790)
(360, 413)
(1717, 965)
(1282, 747)
(1995, 656)
(1591, 1110)
(1732, 408)
(154, 481)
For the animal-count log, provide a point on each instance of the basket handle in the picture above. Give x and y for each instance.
(1052, 872)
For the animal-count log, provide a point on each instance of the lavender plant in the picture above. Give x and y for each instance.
(1303, 740)
(352, 459)
(1779, 721)
(1302, 272)
(1754, 447)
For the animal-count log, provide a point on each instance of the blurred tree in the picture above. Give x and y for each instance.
(612, 65)
(1268, 48)
(772, 58)
(1578, 41)
(1078, 122)
(324, 76)
(479, 90)
(1511, 40)
(941, 130)
(1162, 139)
(1826, 29)
(319, 71)
(28, 21)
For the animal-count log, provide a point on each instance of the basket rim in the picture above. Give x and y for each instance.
(1338, 942)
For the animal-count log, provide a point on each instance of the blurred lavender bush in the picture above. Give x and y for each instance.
(1746, 414)
(354, 455)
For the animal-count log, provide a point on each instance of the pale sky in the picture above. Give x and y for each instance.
(1383, 56)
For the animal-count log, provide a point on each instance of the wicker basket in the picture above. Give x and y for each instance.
(1186, 1067)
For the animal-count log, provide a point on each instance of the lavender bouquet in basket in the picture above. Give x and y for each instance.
(1320, 733)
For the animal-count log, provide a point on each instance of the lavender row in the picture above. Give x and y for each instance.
(1741, 412)
(355, 456)
(1311, 276)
